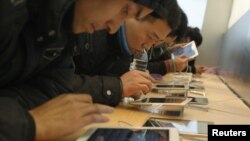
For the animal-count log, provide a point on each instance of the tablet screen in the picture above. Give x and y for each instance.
(169, 86)
(184, 126)
(114, 134)
(190, 50)
(162, 100)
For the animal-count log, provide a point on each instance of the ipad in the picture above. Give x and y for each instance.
(189, 49)
(185, 127)
(168, 87)
(178, 101)
(131, 134)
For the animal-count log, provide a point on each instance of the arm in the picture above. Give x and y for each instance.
(109, 90)
(173, 65)
(104, 89)
(49, 83)
(54, 119)
(16, 123)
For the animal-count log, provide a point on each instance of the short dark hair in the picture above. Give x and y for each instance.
(194, 34)
(181, 30)
(171, 12)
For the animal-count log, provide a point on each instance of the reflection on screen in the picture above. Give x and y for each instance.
(130, 135)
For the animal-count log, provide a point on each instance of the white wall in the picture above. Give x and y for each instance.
(215, 24)
(195, 10)
(239, 8)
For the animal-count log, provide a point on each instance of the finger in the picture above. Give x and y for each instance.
(183, 56)
(96, 108)
(84, 98)
(147, 76)
(136, 95)
(145, 88)
(146, 82)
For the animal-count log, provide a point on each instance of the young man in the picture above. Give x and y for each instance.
(160, 61)
(104, 71)
(192, 34)
(36, 40)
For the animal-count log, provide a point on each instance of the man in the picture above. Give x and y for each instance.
(104, 71)
(192, 34)
(160, 61)
(36, 40)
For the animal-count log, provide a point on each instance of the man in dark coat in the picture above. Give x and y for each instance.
(37, 39)
(104, 72)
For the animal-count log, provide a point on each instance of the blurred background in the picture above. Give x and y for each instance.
(225, 26)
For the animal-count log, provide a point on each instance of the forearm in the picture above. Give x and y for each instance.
(16, 123)
(103, 89)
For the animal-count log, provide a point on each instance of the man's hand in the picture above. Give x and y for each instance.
(66, 114)
(180, 62)
(135, 82)
(200, 69)
(176, 46)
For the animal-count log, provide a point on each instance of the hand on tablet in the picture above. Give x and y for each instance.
(176, 47)
(135, 82)
(181, 62)
(66, 114)
(200, 69)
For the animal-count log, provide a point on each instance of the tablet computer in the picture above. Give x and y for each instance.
(154, 101)
(131, 134)
(190, 50)
(159, 86)
(199, 100)
(185, 127)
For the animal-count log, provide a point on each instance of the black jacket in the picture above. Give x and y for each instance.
(15, 123)
(101, 68)
(157, 59)
(35, 60)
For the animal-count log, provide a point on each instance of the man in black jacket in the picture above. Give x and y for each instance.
(103, 72)
(37, 39)
(162, 58)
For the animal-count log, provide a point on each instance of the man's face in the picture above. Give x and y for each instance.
(143, 34)
(93, 15)
(169, 40)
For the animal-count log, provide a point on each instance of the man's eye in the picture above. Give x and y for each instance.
(150, 37)
(125, 10)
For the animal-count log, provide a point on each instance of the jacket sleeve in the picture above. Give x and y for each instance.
(16, 124)
(161, 67)
(49, 83)
(103, 89)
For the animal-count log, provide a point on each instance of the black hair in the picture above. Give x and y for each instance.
(171, 12)
(194, 34)
(181, 31)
